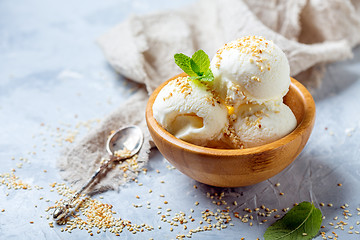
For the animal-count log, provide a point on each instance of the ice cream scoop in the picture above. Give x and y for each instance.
(259, 124)
(250, 69)
(190, 111)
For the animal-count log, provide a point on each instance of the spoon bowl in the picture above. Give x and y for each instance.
(130, 138)
(237, 167)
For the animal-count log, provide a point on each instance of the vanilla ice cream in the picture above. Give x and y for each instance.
(242, 107)
(250, 69)
(258, 124)
(190, 111)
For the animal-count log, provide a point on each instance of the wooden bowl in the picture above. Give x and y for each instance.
(237, 167)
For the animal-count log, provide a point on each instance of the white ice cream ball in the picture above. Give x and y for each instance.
(258, 124)
(250, 69)
(190, 111)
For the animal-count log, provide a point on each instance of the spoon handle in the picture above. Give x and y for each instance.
(94, 176)
(61, 211)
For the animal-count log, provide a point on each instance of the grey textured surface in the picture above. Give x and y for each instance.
(55, 84)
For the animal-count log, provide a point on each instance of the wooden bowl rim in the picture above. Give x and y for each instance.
(307, 121)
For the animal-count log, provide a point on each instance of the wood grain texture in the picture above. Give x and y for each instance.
(237, 167)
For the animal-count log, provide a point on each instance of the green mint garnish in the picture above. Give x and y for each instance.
(197, 67)
(301, 222)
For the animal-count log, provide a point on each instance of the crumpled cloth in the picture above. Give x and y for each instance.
(310, 32)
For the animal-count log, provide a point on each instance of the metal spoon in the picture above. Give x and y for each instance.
(130, 138)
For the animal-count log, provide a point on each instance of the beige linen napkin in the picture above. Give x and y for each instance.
(310, 32)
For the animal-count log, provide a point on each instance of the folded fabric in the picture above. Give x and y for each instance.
(315, 32)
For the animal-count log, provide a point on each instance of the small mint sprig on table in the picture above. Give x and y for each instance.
(302, 222)
(197, 67)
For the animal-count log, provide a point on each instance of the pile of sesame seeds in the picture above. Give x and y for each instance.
(11, 181)
(93, 216)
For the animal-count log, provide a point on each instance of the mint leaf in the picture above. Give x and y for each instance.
(208, 76)
(301, 222)
(197, 67)
(183, 62)
(201, 61)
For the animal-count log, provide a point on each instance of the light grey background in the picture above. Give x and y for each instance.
(55, 83)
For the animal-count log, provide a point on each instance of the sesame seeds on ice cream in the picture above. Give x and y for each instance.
(258, 124)
(250, 69)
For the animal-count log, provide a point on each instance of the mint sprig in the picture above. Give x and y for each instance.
(197, 67)
(301, 222)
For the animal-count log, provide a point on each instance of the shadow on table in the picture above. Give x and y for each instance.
(339, 77)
